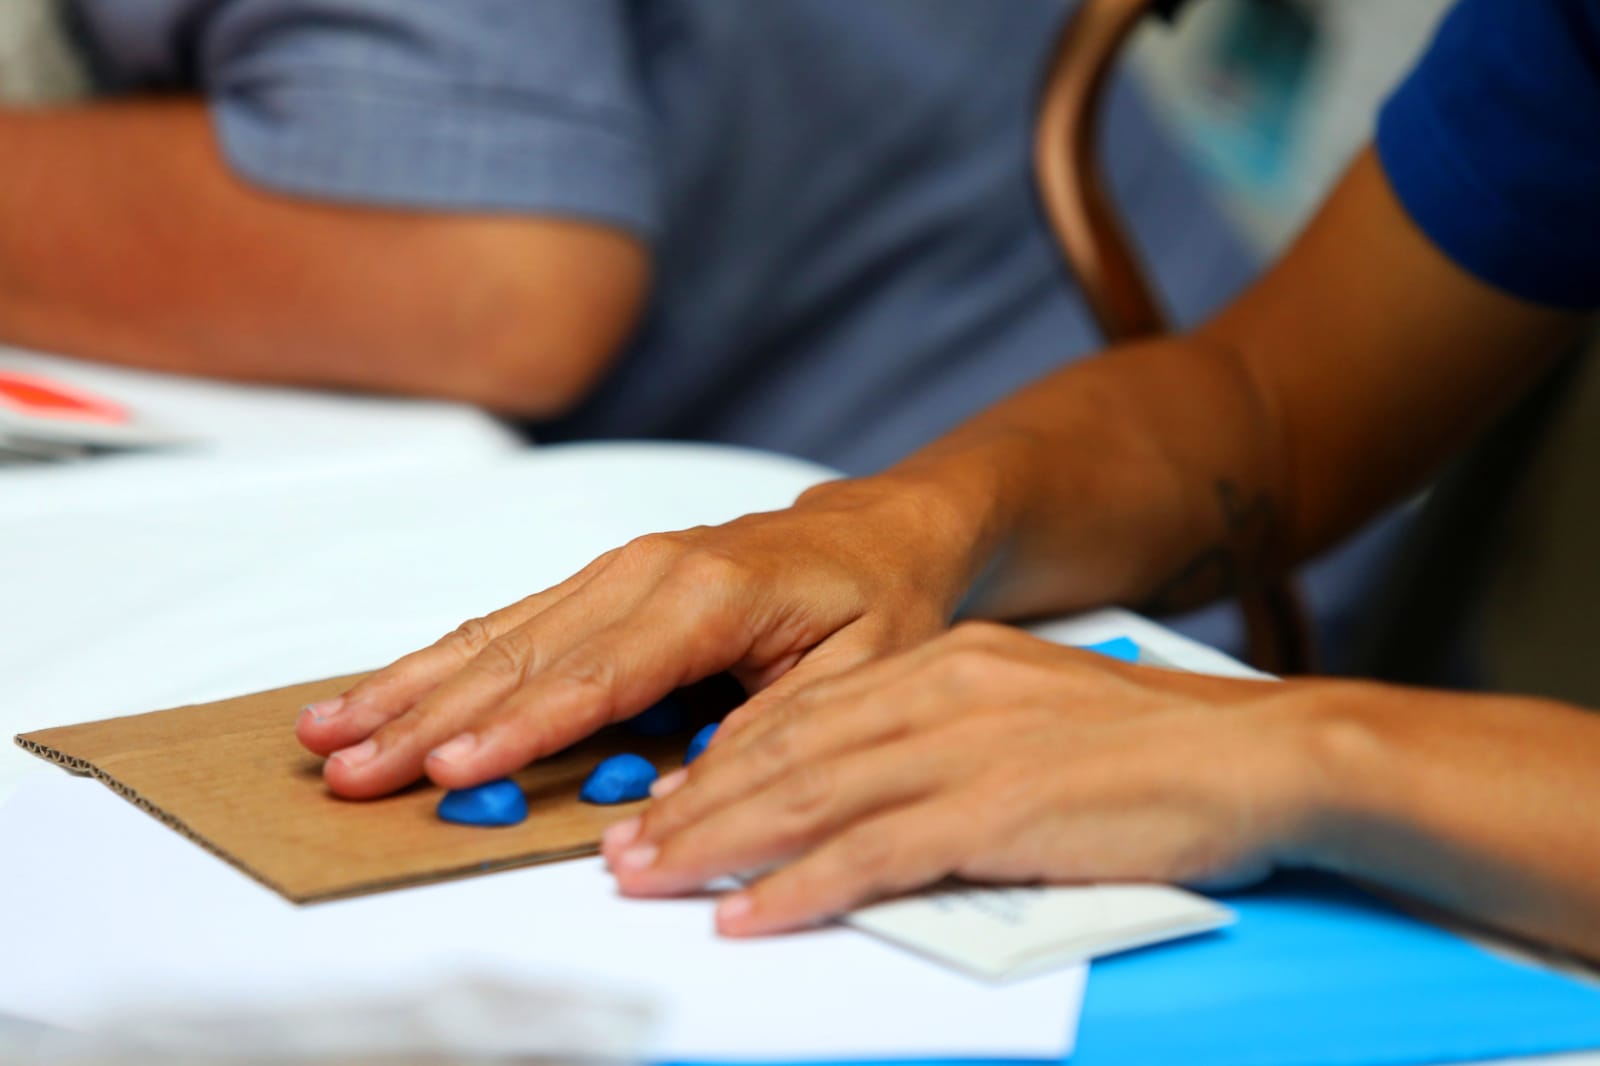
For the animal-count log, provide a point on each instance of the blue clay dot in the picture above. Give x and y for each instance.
(1120, 648)
(663, 719)
(619, 779)
(496, 803)
(697, 746)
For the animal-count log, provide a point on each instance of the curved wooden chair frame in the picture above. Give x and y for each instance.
(1103, 259)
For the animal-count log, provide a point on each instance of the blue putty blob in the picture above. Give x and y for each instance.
(495, 803)
(697, 746)
(619, 779)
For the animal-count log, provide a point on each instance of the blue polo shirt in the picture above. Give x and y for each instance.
(836, 193)
(1493, 146)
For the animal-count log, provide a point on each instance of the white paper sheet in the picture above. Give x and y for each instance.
(105, 907)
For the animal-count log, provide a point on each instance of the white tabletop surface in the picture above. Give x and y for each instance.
(119, 602)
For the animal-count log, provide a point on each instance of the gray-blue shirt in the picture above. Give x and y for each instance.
(837, 193)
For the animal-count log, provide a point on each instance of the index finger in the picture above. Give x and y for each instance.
(393, 755)
(663, 644)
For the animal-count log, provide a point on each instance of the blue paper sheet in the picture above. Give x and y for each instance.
(1318, 972)
(1123, 649)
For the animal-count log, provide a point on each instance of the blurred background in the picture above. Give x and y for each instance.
(1271, 98)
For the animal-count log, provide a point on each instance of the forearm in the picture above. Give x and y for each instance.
(124, 237)
(1144, 476)
(1483, 805)
(1177, 470)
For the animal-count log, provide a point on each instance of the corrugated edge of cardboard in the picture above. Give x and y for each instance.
(85, 768)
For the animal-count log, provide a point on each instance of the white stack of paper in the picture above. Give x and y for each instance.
(1003, 934)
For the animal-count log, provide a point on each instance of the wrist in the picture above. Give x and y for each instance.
(1349, 768)
(938, 522)
(1296, 752)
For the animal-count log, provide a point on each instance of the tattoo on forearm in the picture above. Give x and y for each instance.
(1235, 565)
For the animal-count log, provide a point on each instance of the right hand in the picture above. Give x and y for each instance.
(854, 571)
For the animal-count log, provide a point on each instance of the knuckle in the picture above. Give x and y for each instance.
(708, 570)
(980, 634)
(868, 855)
(506, 656)
(653, 553)
(974, 652)
(774, 753)
(807, 792)
(815, 696)
(969, 667)
(588, 677)
(471, 637)
(800, 701)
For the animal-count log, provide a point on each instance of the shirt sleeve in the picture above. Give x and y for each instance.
(527, 106)
(1492, 145)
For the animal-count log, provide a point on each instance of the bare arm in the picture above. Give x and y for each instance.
(1160, 472)
(1334, 385)
(124, 237)
(1485, 805)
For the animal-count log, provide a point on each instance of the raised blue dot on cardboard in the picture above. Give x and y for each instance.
(1123, 649)
(619, 779)
(697, 746)
(493, 804)
(664, 718)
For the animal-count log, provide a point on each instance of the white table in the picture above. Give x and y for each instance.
(117, 606)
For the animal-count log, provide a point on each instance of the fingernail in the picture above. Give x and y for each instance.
(455, 750)
(734, 907)
(359, 755)
(620, 835)
(638, 858)
(666, 786)
(321, 712)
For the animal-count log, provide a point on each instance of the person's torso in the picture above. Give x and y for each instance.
(851, 258)
(854, 259)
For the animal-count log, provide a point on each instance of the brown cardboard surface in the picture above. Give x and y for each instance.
(231, 777)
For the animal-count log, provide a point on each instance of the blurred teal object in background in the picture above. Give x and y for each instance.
(1258, 69)
(1273, 97)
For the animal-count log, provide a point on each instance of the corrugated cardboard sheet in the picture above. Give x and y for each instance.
(231, 777)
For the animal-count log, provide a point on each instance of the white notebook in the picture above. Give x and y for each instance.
(1001, 934)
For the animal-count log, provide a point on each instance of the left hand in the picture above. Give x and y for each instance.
(987, 755)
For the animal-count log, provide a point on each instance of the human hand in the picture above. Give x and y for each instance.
(855, 570)
(985, 754)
